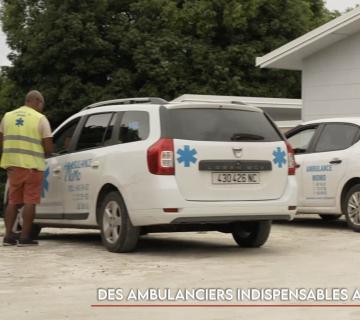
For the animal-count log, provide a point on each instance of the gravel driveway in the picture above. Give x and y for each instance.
(59, 279)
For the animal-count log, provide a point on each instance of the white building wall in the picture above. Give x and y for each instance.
(331, 81)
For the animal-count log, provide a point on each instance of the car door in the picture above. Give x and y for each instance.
(301, 139)
(83, 169)
(52, 198)
(325, 165)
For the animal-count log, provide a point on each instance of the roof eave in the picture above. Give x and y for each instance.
(283, 57)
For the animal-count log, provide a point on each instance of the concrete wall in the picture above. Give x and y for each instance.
(331, 81)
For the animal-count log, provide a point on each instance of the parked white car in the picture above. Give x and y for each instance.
(327, 154)
(142, 165)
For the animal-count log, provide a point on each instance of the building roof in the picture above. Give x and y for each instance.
(353, 120)
(279, 109)
(291, 55)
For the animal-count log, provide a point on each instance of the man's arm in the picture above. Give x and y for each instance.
(48, 146)
(47, 140)
(1, 143)
(1, 136)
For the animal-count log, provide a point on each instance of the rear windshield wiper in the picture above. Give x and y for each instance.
(246, 137)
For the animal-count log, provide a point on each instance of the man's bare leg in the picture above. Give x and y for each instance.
(28, 218)
(10, 217)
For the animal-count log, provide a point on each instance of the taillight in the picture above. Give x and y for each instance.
(160, 157)
(291, 159)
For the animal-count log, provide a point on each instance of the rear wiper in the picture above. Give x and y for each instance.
(246, 136)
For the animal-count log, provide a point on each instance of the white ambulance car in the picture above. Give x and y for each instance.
(142, 165)
(327, 154)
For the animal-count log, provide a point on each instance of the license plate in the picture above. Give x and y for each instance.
(235, 177)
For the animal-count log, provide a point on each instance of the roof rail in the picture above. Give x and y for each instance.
(239, 102)
(211, 101)
(151, 100)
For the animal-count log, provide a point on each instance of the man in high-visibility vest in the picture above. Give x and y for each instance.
(25, 140)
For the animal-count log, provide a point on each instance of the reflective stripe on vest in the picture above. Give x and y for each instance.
(22, 145)
(23, 151)
(21, 138)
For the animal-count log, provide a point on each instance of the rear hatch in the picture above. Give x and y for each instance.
(226, 153)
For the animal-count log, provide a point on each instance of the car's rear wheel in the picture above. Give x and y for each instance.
(117, 232)
(351, 208)
(330, 217)
(251, 234)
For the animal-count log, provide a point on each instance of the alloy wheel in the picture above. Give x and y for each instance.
(353, 208)
(112, 221)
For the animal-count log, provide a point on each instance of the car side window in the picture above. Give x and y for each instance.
(95, 131)
(336, 136)
(134, 126)
(108, 137)
(300, 141)
(63, 138)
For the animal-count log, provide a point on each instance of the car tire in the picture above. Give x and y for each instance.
(330, 217)
(117, 232)
(252, 234)
(351, 208)
(17, 227)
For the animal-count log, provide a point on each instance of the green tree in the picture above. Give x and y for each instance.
(80, 51)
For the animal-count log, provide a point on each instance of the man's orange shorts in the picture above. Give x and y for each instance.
(25, 185)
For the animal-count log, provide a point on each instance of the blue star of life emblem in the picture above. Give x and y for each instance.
(186, 156)
(45, 187)
(279, 157)
(19, 122)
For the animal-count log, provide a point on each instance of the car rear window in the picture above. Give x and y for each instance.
(209, 124)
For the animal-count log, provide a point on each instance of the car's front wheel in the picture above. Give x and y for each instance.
(17, 227)
(351, 208)
(251, 234)
(117, 232)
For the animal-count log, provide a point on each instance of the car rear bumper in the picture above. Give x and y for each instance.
(212, 214)
(227, 219)
(224, 211)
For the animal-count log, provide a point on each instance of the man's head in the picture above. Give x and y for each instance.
(34, 99)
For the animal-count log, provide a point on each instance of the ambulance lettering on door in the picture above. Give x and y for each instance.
(319, 180)
(78, 190)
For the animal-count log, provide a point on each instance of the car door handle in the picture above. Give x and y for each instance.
(335, 161)
(57, 170)
(95, 164)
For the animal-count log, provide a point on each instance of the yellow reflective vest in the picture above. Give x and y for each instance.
(22, 142)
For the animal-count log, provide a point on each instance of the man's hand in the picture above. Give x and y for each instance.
(48, 146)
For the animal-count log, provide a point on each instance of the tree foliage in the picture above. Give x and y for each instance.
(80, 51)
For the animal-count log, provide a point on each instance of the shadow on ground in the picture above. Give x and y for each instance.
(150, 243)
(314, 222)
(169, 243)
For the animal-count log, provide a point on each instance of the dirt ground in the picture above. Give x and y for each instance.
(59, 279)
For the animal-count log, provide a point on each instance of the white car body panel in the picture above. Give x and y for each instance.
(76, 179)
(326, 197)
